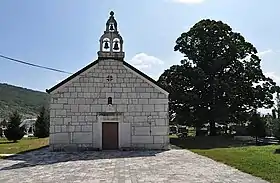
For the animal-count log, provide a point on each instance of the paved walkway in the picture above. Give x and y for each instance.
(123, 167)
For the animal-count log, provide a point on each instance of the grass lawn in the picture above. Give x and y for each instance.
(25, 144)
(256, 160)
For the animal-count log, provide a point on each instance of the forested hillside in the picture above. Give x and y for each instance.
(27, 102)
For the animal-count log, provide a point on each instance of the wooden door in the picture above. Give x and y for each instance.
(110, 135)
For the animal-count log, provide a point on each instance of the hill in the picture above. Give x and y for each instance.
(26, 101)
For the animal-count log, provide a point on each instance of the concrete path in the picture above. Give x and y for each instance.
(115, 166)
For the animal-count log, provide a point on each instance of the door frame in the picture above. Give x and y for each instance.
(114, 117)
(101, 132)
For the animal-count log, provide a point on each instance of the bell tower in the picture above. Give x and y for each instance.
(111, 43)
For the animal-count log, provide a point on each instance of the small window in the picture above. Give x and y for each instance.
(110, 101)
(109, 78)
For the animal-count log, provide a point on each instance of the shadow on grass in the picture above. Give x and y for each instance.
(7, 142)
(277, 151)
(43, 156)
(208, 142)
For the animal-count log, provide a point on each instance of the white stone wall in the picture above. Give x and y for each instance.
(75, 108)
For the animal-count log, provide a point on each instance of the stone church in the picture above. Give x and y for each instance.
(108, 104)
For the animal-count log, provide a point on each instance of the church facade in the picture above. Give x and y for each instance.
(109, 104)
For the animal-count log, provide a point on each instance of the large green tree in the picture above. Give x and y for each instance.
(220, 79)
(42, 124)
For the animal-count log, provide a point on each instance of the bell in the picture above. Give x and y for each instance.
(116, 46)
(111, 27)
(106, 45)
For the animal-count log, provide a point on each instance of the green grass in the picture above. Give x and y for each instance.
(259, 161)
(25, 144)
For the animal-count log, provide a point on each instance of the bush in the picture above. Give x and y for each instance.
(13, 131)
(42, 124)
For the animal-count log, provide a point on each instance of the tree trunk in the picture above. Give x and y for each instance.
(213, 130)
(256, 140)
(197, 131)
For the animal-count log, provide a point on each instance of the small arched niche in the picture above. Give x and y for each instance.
(106, 45)
(116, 45)
(110, 101)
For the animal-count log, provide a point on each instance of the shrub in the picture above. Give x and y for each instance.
(14, 132)
(42, 124)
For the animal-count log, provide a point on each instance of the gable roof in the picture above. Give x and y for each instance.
(94, 63)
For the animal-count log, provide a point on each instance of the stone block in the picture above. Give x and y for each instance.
(59, 138)
(140, 118)
(90, 118)
(51, 129)
(163, 114)
(71, 89)
(117, 95)
(84, 108)
(144, 95)
(159, 107)
(82, 137)
(86, 128)
(74, 95)
(143, 101)
(57, 121)
(56, 106)
(135, 108)
(78, 128)
(139, 89)
(160, 130)
(159, 140)
(95, 108)
(149, 89)
(154, 95)
(147, 108)
(160, 122)
(81, 118)
(142, 139)
(62, 101)
(67, 120)
(131, 95)
(63, 128)
(80, 101)
(60, 112)
(74, 108)
(142, 131)
(74, 118)
(116, 89)
(125, 136)
(57, 128)
(71, 128)
(158, 101)
(126, 89)
(121, 108)
(52, 113)
(71, 101)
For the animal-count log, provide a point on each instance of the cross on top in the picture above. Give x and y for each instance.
(109, 78)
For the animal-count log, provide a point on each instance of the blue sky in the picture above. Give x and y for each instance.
(64, 34)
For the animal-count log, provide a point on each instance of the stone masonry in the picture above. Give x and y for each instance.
(79, 106)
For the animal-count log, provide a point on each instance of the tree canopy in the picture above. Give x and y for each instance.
(220, 79)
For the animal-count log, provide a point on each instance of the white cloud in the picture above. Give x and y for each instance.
(273, 76)
(188, 1)
(144, 61)
(263, 53)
